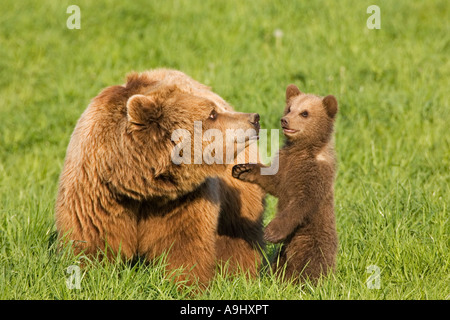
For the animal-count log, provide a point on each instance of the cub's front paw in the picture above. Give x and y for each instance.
(276, 232)
(243, 171)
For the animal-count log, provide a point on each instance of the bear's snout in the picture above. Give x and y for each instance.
(254, 119)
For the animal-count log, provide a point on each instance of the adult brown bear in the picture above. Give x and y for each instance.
(120, 189)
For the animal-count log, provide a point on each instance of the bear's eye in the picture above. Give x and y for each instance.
(213, 115)
(304, 114)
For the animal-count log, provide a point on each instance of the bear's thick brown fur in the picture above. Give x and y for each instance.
(120, 190)
(304, 185)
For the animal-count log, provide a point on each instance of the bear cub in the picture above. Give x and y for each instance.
(304, 186)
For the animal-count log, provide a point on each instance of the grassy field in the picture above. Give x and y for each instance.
(392, 134)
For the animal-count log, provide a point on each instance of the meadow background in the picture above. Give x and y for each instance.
(392, 131)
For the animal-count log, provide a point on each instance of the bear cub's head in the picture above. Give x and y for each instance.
(308, 119)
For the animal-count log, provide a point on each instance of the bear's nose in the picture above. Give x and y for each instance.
(254, 118)
(284, 122)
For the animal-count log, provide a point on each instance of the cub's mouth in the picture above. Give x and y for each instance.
(288, 131)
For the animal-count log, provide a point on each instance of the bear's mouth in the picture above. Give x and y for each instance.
(288, 131)
(256, 136)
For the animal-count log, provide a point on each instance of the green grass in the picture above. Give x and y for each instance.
(392, 136)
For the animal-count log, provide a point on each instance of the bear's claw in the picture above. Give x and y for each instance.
(239, 169)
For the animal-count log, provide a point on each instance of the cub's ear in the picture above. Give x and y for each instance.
(331, 105)
(292, 91)
(142, 110)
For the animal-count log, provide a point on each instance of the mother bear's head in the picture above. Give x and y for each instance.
(148, 137)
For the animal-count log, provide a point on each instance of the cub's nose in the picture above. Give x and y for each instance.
(254, 118)
(284, 122)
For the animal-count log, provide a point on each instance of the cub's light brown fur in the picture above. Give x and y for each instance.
(305, 219)
(120, 188)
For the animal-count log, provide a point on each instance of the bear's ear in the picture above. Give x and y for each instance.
(331, 105)
(142, 110)
(292, 91)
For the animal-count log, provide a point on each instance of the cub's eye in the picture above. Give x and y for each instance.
(304, 114)
(213, 115)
